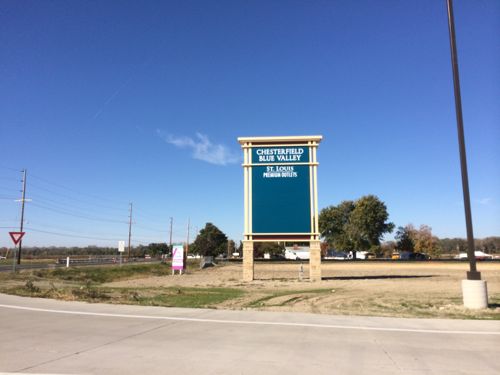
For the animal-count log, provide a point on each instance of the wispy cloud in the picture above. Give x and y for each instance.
(202, 148)
(485, 201)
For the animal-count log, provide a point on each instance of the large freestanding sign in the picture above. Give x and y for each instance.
(280, 195)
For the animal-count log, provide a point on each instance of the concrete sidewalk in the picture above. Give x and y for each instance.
(47, 336)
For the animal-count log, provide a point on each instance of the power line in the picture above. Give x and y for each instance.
(9, 168)
(5, 178)
(150, 239)
(66, 229)
(75, 191)
(71, 205)
(70, 235)
(70, 197)
(66, 196)
(148, 215)
(64, 206)
(149, 229)
(64, 212)
(88, 236)
(7, 188)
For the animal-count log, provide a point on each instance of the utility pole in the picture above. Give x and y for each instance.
(170, 242)
(473, 274)
(22, 216)
(187, 244)
(129, 228)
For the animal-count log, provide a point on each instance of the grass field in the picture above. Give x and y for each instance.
(419, 289)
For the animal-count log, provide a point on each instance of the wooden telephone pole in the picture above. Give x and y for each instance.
(129, 228)
(22, 216)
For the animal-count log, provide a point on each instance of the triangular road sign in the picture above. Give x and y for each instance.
(16, 236)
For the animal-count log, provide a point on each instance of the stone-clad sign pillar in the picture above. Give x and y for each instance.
(281, 195)
(247, 261)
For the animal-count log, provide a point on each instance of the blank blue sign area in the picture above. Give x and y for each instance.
(281, 204)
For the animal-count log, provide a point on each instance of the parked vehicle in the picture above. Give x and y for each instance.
(336, 255)
(419, 256)
(365, 255)
(408, 255)
(299, 253)
(479, 256)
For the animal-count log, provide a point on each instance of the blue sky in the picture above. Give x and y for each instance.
(111, 102)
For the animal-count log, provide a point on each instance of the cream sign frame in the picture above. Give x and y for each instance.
(280, 195)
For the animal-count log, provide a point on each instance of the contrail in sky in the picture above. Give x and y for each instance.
(112, 96)
(119, 89)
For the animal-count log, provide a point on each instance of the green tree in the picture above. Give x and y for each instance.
(405, 238)
(453, 246)
(425, 242)
(418, 240)
(386, 249)
(231, 247)
(273, 248)
(155, 249)
(368, 223)
(358, 225)
(333, 222)
(211, 241)
(490, 244)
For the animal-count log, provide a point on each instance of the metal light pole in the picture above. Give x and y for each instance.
(473, 274)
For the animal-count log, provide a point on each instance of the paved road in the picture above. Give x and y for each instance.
(45, 336)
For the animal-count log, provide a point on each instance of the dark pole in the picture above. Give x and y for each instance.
(22, 217)
(129, 229)
(187, 244)
(473, 274)
(170, 242)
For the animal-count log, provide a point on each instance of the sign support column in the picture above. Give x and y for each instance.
(248, 263)
(315, 244)
(315, 260)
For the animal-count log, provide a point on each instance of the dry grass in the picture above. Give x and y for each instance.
(417, 289)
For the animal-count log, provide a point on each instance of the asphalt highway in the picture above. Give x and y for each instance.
(45, 336)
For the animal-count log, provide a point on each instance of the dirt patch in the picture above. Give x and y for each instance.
(361, 288)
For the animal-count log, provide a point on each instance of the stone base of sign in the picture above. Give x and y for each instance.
(475, 294)
(248, 267)
(315, 261)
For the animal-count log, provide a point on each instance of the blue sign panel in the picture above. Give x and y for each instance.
(281, 194)
(273, 155)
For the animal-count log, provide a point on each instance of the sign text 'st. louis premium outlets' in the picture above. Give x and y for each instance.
(280, 176)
